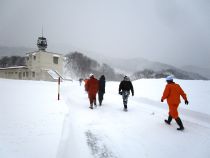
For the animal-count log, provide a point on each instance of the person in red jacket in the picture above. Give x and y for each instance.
(92, 87)
(172, 93)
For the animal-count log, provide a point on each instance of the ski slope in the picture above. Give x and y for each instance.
(34, 124)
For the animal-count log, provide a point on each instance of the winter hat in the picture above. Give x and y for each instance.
(169, 78)
(102, 77)
(91, 75)
(126, 78)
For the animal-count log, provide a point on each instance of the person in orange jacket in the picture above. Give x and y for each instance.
(92, 87)
(172, 93)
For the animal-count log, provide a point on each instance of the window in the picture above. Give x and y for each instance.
(34, 57)
(26, 74)
(20, 75)
(33, 74)
(55, 60)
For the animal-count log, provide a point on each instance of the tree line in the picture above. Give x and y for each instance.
(7, 61)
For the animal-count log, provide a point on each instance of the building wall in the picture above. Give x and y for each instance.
(38, 63)
(47, 61)
(40, 60)
(45, 75)
(16, 73)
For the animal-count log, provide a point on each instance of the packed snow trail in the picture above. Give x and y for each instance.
(108, 132)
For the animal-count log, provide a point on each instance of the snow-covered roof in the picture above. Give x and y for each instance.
(53, 74)
(56, 55)
(14, 67)
(40, 51)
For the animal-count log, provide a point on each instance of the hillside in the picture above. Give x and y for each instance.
(142, 68)
(177, 73)
(77, 65)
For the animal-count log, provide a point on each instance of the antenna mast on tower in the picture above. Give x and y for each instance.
(42, 30)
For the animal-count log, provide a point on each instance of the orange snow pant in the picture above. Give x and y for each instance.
(92, 98)
(173, 112)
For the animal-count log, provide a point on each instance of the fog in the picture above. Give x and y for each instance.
(175, 32)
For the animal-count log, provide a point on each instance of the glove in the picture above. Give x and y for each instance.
(186, 102)
(120, 93)
(161, 100)
(132, 94)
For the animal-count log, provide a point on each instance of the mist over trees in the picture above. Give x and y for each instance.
(78, 66)
(177, 73)
(12, 61)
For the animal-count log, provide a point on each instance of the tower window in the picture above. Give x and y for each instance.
(55, 60)
(34, 57)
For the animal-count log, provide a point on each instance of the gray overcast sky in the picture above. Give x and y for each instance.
(171, 31)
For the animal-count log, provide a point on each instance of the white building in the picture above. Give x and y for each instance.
(40, 65)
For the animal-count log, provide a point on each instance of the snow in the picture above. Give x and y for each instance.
(33, 123)
(53, 74)
(31, 119)
(55, 55)
(13, 67)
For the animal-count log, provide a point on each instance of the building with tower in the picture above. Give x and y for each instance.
(40, 65)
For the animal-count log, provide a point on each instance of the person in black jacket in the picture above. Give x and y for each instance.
(101, 91)
(124, 89)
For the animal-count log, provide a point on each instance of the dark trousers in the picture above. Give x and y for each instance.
(100, 96)
(125, 95)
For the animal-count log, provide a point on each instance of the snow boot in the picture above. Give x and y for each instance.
(100, 102)
(125, 104)
(169, 120)
(95, 103)
(91, 106)
(179, 122)
(125, 109)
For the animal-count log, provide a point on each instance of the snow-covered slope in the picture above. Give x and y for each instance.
(140, 132)
(34, 124)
